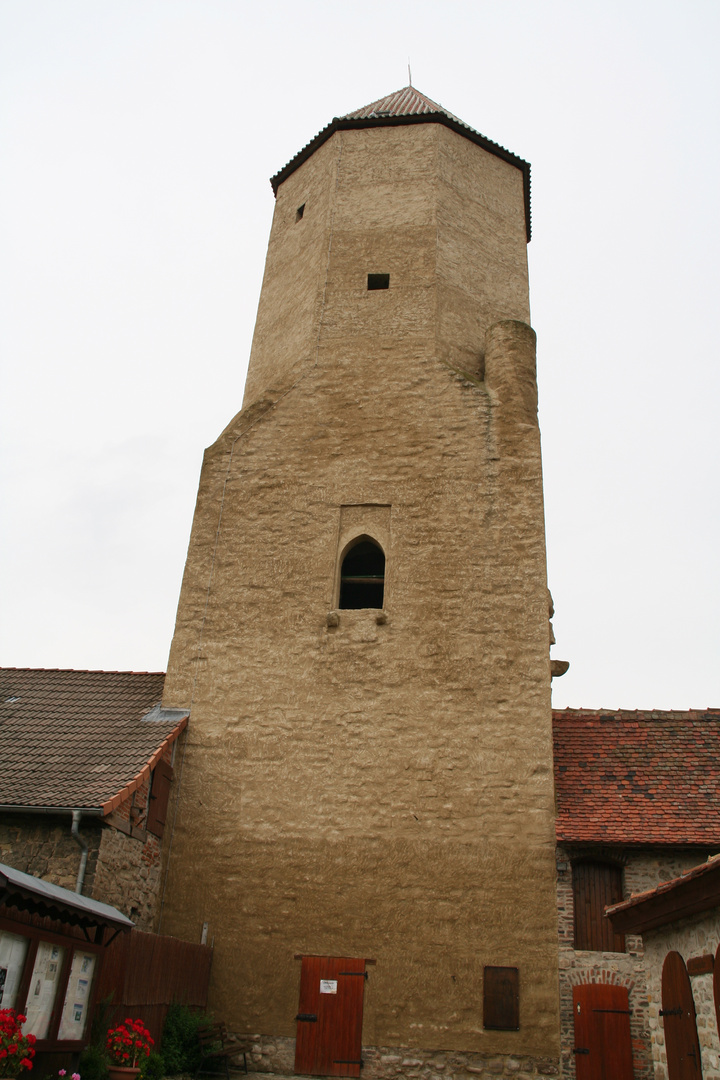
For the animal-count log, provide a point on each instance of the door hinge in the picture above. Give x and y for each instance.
(364, 975)
(360, 1062)
(625, 1012)
(311, 1018)
(677, 1011)
(580, 1050)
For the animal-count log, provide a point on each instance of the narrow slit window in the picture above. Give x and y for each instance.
(299, 212)
(362, 576)
(378, 281)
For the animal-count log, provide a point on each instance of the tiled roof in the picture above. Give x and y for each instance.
(405, 102)
(637, 777)
(406, 106)
(77, 738)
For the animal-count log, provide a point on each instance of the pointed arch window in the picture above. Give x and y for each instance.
(362, 576)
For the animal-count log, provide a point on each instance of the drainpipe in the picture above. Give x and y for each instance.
(82, 844)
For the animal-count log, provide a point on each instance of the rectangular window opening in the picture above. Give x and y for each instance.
(378, 281)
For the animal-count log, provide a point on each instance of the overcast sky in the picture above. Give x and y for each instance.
(137, 138)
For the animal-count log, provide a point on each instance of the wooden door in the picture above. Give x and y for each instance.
(603, 1048)
(329, 1019)
(678, 1013)
(716, 987)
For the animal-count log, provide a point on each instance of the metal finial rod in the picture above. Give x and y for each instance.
(409, 73)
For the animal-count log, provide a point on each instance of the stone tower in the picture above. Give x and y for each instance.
(362, 634)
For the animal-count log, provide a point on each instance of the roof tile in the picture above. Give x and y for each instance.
(75, 738)
(632, 777)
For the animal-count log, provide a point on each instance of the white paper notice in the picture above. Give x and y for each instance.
(74, 1014)
(328, 986)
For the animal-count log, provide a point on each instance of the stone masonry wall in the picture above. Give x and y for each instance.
(277, 1055)
(129, 860)
(364, 784)
(690, 937)
(128, 875)
(42, 845)
(642, 870)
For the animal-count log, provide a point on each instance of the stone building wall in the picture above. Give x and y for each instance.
(123, 867)
(364, 785)
(277, 1055)
(642, 870)
(128, 875)
(41, 845)
(691, 937)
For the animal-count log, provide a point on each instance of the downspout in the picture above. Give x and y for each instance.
(82, 844)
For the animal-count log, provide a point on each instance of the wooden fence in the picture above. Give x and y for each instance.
(146, 973)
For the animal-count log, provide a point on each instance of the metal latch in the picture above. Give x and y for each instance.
(311, 1018)
(580, 1050)
(360, 1062)
(364, 974)
(678, 1011)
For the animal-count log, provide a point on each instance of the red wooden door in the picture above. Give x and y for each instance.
(329, 1019)
(716, 987)
(603, 1049)
(678, 1013)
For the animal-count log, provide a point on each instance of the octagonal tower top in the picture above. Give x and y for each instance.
(406, 106)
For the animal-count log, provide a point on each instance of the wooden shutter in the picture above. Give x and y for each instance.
(603, 1044)
(595, 886)
(678, 1013)
(159, 796)
(329, 1024)
(501, 998)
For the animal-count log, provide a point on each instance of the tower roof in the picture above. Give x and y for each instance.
(405, 102)
(406, 106)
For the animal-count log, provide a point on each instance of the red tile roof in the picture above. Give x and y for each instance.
(77, 738)
(637, 777)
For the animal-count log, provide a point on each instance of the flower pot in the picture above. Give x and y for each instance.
(122, 1072)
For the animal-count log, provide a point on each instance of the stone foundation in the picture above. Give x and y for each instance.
(276, 1055)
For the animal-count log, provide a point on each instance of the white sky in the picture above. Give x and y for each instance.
(137, 141)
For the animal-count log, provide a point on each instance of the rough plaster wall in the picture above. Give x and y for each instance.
(643, 869)
(690, 937)
(363, 789)
(43, 846)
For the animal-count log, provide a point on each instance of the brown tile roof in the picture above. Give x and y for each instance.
(406, 106)
(405, 102)
(77, 738)
(637, 777)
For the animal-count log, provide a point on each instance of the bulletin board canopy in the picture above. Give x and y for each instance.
(24, 892)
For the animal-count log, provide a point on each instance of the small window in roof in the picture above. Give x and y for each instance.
(362, 576)
(299, 212)
(378, 281)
